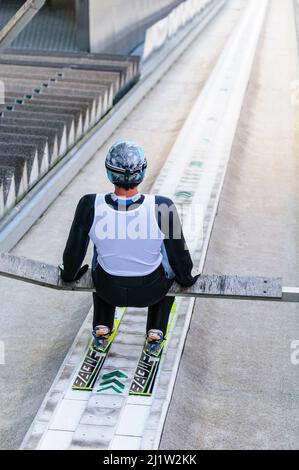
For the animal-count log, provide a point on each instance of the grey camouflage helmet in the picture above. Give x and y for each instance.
(125, 163)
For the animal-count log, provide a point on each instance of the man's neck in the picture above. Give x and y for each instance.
(121, 192)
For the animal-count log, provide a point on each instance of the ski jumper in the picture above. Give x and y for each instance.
(139, 249)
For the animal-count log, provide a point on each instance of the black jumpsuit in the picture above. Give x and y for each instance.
(134, 291)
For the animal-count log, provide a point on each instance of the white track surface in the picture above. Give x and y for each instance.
(193, 176)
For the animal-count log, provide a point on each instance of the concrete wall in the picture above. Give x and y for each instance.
(118, 26)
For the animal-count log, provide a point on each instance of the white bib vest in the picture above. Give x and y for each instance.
(128, 243)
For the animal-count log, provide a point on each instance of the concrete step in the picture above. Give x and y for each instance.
(22, 152)
(10, 98)
(29, 152)
(103, 89)
(19, 165)
(38, 101)
(18, 119)
(26, 69)
(102, 77)
(100, 100)
(74, 113)
(25, 74)
(51, 134)
(7, 189)
(40, 143)
(76, 101)
(23, 81)
(125, 71)
(19, 88)
(76, 55)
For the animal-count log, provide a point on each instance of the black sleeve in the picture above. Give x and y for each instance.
(78, 239)
(175, 244)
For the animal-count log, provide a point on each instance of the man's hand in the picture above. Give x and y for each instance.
(81, 273)
(192, 281)
(195, 278)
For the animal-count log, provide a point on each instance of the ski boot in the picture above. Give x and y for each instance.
(154, 340)
(101, 335)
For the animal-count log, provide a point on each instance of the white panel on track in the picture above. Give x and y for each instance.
(68, 415)
(133, 420)
(53, 400)
(88, 437)
(56, 440)
(105, 401)
(81, 395)
(38, 430)
(139, 400)
(125, 443)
